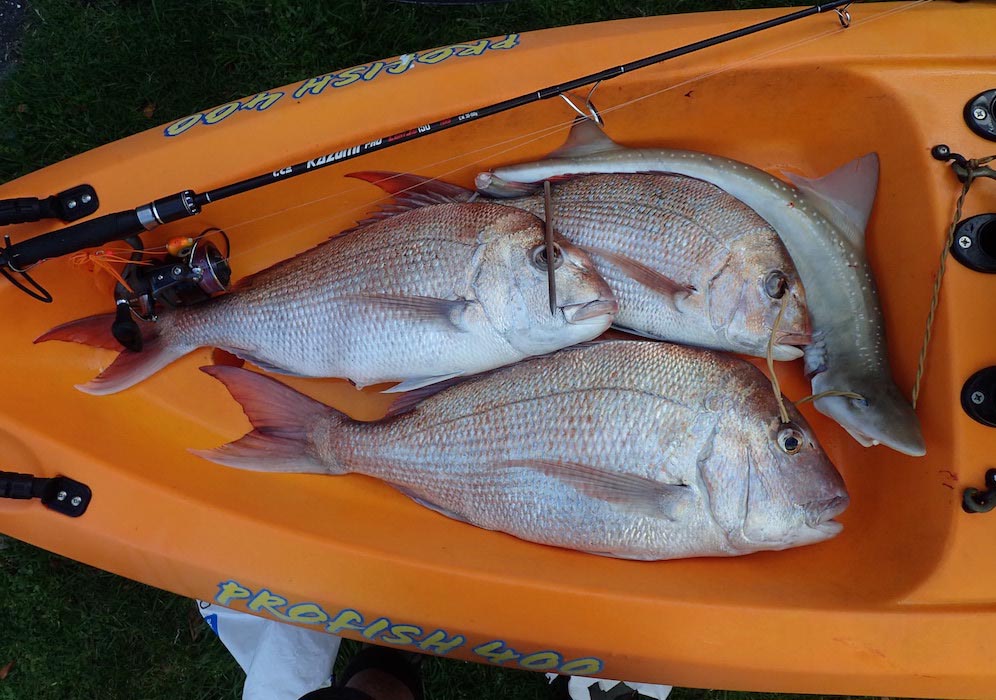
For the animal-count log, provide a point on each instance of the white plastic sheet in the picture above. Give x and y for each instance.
(281, 661)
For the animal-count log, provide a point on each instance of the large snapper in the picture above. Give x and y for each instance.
(429, 294)
(822, 223)
(631, 449)
(686, 261)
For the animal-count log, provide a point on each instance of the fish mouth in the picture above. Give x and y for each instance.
(820, 514)
(592, 310)
(785, 353)
(830, 528)
(793, 338)
(917, 449)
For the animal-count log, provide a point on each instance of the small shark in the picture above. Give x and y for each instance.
(822, 224)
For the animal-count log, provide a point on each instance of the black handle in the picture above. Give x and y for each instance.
(20, 211)
(59, 493)
(87, 234)
(103, 229)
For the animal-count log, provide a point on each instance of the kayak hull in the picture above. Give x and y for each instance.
(895, 605)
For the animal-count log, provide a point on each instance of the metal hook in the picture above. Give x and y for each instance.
(844, 16)
(978, 500)
(963, 167)
(551, 255)
(592, 112)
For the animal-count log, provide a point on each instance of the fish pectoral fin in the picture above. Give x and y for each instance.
(264, 365)
(586, 137)
(846, 195)
(647, 276)
(636, 494)
(417, 383)
(447, 312)
(430, 505)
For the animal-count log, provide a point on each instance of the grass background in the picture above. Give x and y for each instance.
(91, 71)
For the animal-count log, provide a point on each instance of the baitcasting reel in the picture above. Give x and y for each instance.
(193, 270)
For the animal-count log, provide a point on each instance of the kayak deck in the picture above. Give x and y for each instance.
(893, 605)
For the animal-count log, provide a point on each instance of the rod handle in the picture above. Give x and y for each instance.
(86, 234)
(103, 229)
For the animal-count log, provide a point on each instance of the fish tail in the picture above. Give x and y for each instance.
(128, 368)
(283, 421)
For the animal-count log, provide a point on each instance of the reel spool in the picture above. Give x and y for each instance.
(193, 271)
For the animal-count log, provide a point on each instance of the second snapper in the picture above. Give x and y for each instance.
(687, 262)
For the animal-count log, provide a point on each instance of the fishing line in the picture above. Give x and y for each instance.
(831, 392)
(935, 296)
(773, 376)
(522, 140)
(772, 52)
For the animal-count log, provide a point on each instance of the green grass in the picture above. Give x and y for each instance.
(94, 71)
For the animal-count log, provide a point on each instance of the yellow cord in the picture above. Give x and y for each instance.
(942, 266)
(774, 377)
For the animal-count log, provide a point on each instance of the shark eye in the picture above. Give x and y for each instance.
(859, 402)
(790, 441)
(539, 258)
(775, 284)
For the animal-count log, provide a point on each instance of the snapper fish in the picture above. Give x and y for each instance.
(427, 295)
(822, 223)
(686, 261)
(629, 449)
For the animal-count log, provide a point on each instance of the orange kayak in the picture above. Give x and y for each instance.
(902, 603)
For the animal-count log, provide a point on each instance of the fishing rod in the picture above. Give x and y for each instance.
(127, 224)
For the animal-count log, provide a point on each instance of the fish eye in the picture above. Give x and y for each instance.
(539, 257)
(790, 441)
(859, 402)
(775, 284)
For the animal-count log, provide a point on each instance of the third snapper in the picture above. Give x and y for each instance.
(428, 294)
(687, 262)
(631, 449)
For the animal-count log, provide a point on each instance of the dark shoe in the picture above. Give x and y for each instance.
(392, 662)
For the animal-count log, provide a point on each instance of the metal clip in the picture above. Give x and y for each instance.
(964, 168)
(844, 16)
(592, 112)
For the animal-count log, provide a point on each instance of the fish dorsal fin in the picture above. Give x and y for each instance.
(846, 195)
(586, 137)
(407, 187)
(410, 192)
